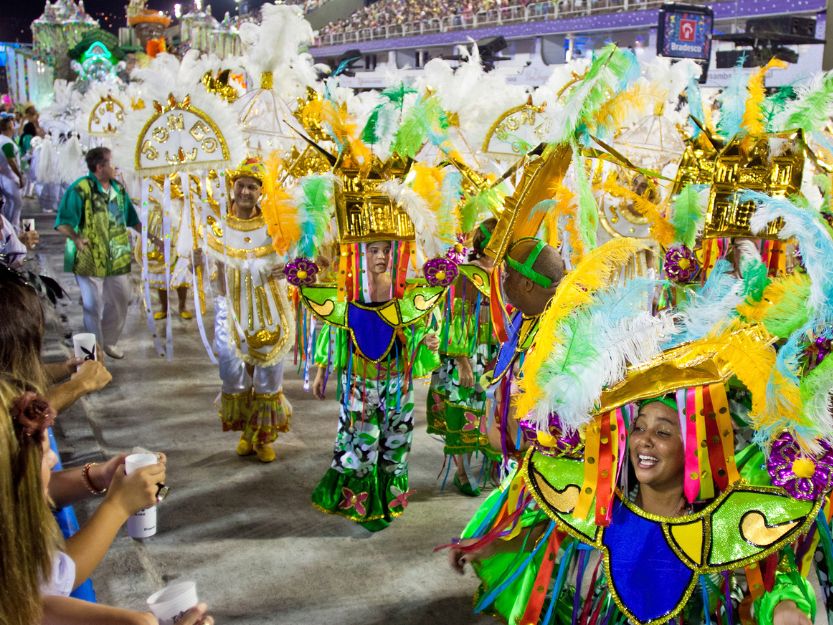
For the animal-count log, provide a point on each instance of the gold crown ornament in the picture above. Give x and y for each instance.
(252, 167)
(365, 212)
(770, 163)
(541, 174)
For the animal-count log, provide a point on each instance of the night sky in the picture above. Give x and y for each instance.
(16, 16)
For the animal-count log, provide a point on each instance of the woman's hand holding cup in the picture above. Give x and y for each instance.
(92, 375)
(137, 491)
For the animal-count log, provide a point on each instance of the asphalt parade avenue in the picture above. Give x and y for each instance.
(246, 531)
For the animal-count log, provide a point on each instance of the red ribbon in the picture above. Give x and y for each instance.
(604, 490)
(717, 460)
(535, 605)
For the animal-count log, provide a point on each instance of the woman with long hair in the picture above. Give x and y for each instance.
(28, 532)
(33, 563)
(21, 341)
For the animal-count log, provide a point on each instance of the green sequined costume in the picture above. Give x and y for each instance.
(367, 481)
(454, 411)
(510, 576)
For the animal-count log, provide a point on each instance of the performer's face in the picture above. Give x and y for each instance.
(246, 192)
(378, 256)
(656, 447)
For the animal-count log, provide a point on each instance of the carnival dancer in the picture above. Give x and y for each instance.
(656, 451)
(608, 384)
(254, 323)
(532, 271)
(367, 481)
(179, 264)
(456, 399)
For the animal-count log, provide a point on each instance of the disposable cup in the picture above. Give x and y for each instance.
(27, 224)
(143, 523)
(169, 604)
(84, 345)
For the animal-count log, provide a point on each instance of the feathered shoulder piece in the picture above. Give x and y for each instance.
(596, 271)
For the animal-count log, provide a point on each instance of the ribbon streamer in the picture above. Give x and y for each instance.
(145, 265)
(197, 271)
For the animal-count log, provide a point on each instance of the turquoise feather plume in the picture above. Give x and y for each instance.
(315, 211)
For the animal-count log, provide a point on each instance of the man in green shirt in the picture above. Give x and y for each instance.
(95, 213)
(11, 178)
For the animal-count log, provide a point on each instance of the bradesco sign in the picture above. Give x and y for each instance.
(685, 31)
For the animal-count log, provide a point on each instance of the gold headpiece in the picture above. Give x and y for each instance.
(365, 212)
(218, 85)
(517, 221)
(698, 363)
(772, 164)
(252, 167)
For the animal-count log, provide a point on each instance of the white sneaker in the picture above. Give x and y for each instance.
(113, 351)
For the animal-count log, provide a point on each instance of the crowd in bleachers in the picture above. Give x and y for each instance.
(387, 17)
(307, 5)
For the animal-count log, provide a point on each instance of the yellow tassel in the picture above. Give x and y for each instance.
(706, 482)
(596, 271)
(591, 470)
(661, 230)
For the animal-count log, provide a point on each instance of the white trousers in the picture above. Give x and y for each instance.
(105, 303)
(12, 201)
(233, 373)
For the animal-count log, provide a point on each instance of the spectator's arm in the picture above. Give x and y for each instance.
(69, 611)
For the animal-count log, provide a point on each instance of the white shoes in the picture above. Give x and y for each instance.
(113, 351)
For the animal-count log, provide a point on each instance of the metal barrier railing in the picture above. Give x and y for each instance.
(535, 12)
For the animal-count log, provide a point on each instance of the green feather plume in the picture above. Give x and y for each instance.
(755, 279)
(482, 205)
(791, 311)
(425, 121)
(395, 97)
(314, 213)
(774, 104)
(687, 214)
(588, 215)
(815, 390)
(811, 110)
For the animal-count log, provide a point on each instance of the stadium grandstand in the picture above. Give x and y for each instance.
(525, 39)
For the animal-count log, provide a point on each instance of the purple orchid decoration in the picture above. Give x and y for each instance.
(681, 264)
(440, 271)
(555, 441)
(802, 476)
(301, 272)
(458, 254)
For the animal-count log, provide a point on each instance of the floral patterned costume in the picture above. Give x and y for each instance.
(367, 481)
(454, 411)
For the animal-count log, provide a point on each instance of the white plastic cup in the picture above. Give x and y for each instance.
(143, 523)
(169, 604)
(27, 225)
(83, 345)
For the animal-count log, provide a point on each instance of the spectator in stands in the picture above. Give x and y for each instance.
(396, 13)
